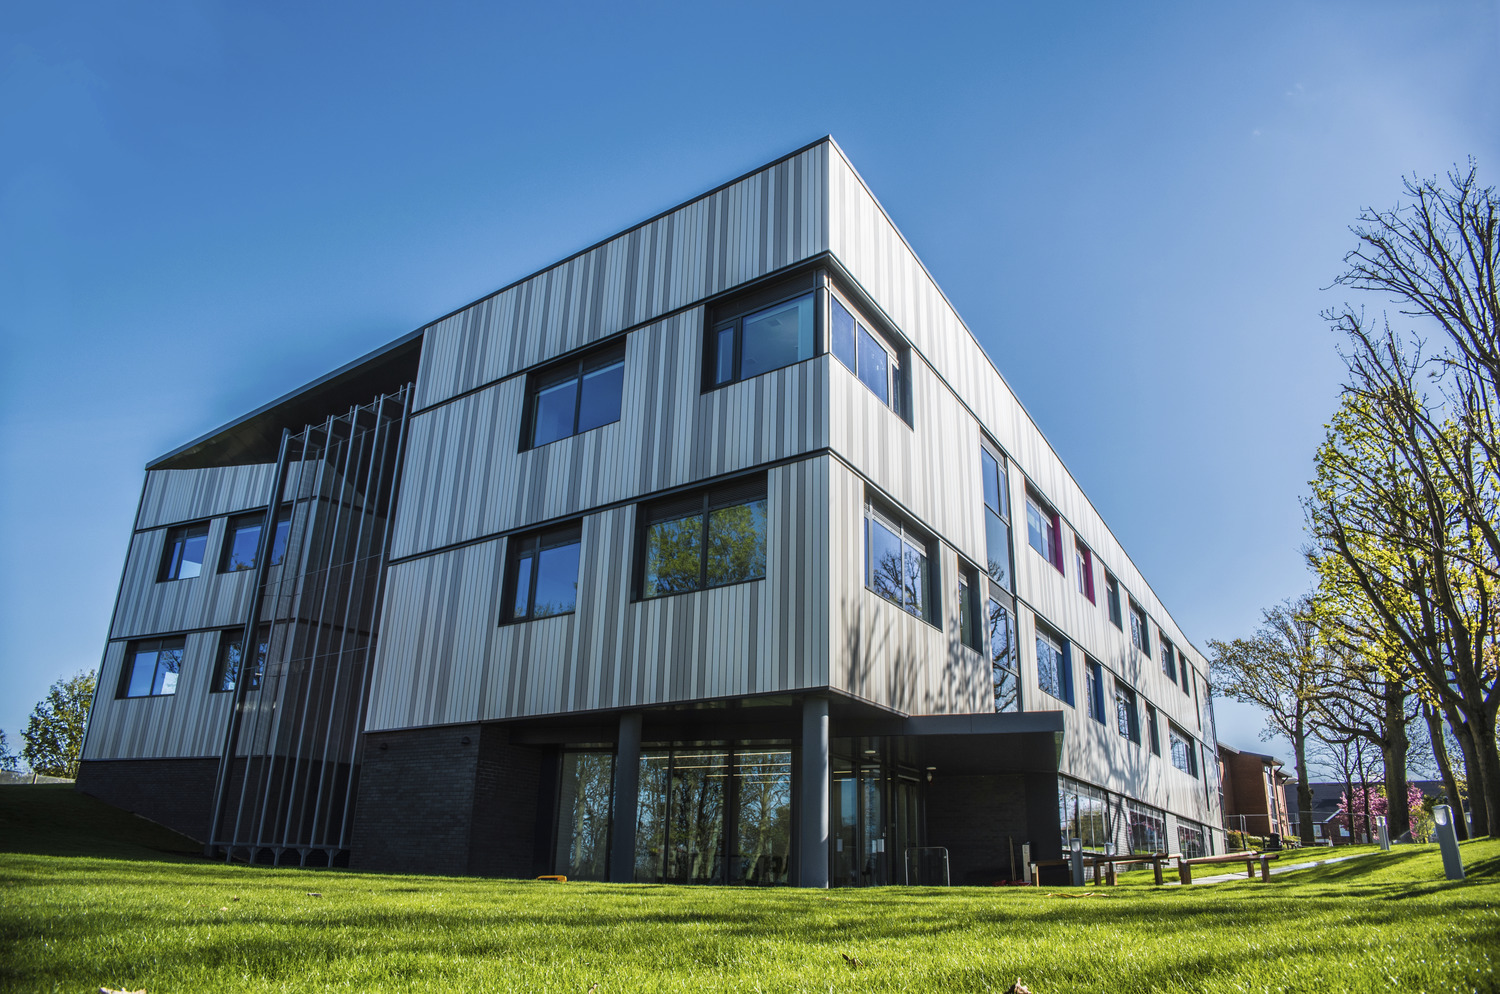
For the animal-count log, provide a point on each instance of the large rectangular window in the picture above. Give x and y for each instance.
(231, 654)
(1148, 828)
(868, 355)
(1083, 566)
(1004, 666)
(709, 539)
(585, 800)
(1095, 690)
(151, 668)
(1191, 840)
(896, 558)
(242, 540)
(1126, 720)
(1112, 593)
(1140, 634)
(1083, 813)
(1043, 531)
(186, 549)
(1053, 666)
(996, 517)
(756, 332)
(1168, 661)
(1184, 756)
(542, 573)
(968, 607)
(574, 396)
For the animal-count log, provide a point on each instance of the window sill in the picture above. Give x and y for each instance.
(646, 598)
(916, 617)
(576, 434)
(507, 622)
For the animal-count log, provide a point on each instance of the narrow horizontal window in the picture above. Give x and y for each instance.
(186, 549)
(760, 331)
(542, 573)
(710, 539)
(151, 668)
(574, 396)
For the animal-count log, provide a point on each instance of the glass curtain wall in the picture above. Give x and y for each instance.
(584, 815)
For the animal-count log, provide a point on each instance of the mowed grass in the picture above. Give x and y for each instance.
(149, 915)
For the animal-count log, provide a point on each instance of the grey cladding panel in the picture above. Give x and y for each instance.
(444, 658)
(758, 225)
(174, 495)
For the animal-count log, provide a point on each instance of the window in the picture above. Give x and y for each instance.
(1083, 563)
(151, 668)
(574, 396)
(1184, 756)
(1168, 663)
(542, 573)
(996, 517)
(1095, 690)
(1112, 594)
(757, 332)
(1152, 730)
(226, 674)
(1148, 828)
(1003, 664)
(1187, 673)
(896, 563)
(1083, 813)
(868, 356)
(1125, 713)
(1140, 634)
(709, 539)
(968, 607)
(1053, 671)
(242, 540)
(1043, 531)
(186, 548)
(1190, 841)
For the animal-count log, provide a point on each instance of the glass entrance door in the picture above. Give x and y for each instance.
(843, 817)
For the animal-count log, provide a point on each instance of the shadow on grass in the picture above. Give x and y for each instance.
(56, 820)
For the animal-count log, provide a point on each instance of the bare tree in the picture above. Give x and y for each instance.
(1282, 671)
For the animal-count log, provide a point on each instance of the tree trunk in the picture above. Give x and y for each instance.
(1304, 789)
(1489, 772)
(1393, 752)
(1435, 732)
(1479, 815)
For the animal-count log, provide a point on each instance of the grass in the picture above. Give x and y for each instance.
(142, 913)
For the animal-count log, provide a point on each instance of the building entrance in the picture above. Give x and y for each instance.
(874, 817)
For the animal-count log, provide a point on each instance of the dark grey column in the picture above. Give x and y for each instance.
(815, 774)
(627, 794)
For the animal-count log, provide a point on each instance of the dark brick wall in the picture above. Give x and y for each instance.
(416, 801)
(978, 818)
(428, 803)
(177, 793)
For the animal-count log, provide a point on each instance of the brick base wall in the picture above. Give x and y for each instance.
(177, 793)
(978, 818)
(431, 803)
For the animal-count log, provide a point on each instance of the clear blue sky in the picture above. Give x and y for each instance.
(204, 205)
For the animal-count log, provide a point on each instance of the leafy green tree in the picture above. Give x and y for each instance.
(9, 761)
(54, 733)
(1282, 671)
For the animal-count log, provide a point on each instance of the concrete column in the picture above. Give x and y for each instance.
(816, 774)
(627, 796)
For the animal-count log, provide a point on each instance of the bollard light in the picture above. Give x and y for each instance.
(1077, 861)
(1440, 814)
(1453, 864)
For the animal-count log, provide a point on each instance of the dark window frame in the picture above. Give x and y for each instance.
(572, 368)
(1084, 560)
(898, 354)
(729, 314)
(1112, 595)
(1140, 627)
(907, 533)
(1064, 689)
(1177, 735)
(1053, 527)
(127, 667)
(1168, 659)
(1095, 690)
(534, 543)
(1153, 729)
(1006, 656)
(736, 492)
(231, 637)
(970, 627)
(1000, 514)
(171, 558)
(1127, 724)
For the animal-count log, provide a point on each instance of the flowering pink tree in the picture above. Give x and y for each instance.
(1352, 807)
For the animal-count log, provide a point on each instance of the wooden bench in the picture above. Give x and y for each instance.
(1111, 862)
(1036, 868)
(1249, 858)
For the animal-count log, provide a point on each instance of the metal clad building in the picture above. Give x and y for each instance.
(719, 552)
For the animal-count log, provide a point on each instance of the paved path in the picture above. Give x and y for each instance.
(1275, 868)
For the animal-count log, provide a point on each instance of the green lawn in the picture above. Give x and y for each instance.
(146, 914)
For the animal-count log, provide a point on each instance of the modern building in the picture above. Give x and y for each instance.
(1255, 793)
(718, 552)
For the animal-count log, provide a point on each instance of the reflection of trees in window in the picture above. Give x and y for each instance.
(896, 563)
(1148, 832)
(707, 540)
(230, 653)
(764, 783)
(151, 668)
(584, 815)
(696, 818)
(1190, 841)
(1049, 665)
(1003, 664)
(1083, 814)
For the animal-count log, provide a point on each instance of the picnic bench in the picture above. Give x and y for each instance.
(1249, 858)
(1110, 863)
(1036, 868)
